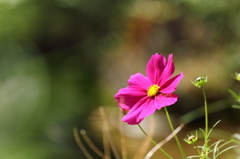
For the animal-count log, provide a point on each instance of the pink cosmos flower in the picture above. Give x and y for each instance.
(146, 94)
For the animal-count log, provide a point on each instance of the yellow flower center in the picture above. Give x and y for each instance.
(153, 90)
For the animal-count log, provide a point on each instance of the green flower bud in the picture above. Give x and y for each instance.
(200, 81)
(191, 139)
(237, 76)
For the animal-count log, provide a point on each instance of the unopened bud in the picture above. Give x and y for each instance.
(191, 139)
(237, 76)
(200, 81)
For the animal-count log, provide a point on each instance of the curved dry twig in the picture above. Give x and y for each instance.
(81, 146)
(106, 130)
(106, 143)
(122, 138)
(91, 144)
(160, 144)
(146, 142)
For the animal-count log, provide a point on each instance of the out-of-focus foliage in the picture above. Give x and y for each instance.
(49, 53)
(61, 59)
(24, 101)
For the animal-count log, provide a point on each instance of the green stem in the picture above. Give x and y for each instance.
(206, 121)
(176, 138)
(198, 150)
(154, 142)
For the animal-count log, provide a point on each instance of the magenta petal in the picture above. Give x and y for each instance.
(129, 96)
(132, 117)
(133, 121)
(148, 108)
(168, 71)
(171, 85)
(155, 68)
(165, 100)
(131, 91)
(139, 80)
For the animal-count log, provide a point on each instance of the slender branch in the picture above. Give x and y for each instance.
(160, 144)
(154, 142)
(91, 144)
(106, 128)
(206, 121)
(81, 146)
(146, 142)
(122, 138)
(106, 147)
(198, 149)
(176, 138)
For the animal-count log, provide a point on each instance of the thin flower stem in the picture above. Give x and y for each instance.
(206, 121)
(176, 138)
(154, 142)
(198, 150)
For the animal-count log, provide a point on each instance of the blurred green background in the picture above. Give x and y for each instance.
(62, 59)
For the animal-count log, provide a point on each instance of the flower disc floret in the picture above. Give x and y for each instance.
(153, 90)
